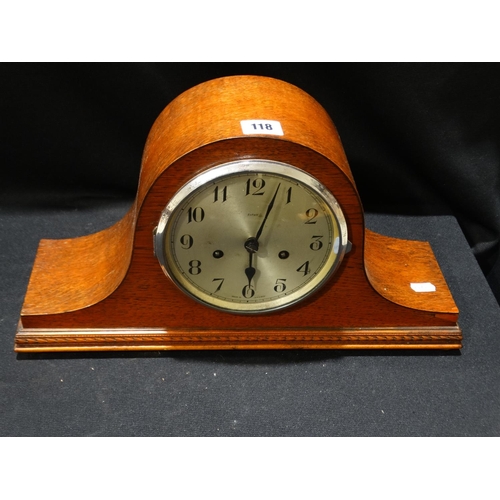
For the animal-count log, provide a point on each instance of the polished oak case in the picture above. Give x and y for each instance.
(107, 291)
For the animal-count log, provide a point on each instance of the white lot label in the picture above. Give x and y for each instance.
(268, 127)
(423, 287)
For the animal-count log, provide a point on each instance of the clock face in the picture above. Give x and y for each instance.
(251, 236)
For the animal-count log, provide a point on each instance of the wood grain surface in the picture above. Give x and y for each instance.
(107, 291)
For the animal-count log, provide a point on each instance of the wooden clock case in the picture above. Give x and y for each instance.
(106, 291)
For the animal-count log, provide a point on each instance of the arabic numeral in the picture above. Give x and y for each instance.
(194, 267)
(304, 268)
(220, 193)
(257, 185)
(186, 241)
(196, 214)
(220, 284)
(311, 214)
(317, 244)
(248, 291)
(280, 286)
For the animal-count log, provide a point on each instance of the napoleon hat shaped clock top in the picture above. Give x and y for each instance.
(247, 231)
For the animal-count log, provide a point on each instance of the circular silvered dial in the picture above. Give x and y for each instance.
(251, 236)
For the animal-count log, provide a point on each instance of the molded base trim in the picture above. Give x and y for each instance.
(154, 339)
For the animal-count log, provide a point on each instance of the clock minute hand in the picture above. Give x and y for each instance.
(269, 208)
(252, 244)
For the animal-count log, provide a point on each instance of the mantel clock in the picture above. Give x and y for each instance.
(247, 232)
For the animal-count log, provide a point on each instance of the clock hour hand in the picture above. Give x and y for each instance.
(269, 208)
(251, 245)
(250, 271)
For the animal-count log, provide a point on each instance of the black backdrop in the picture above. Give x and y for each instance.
(422, 142)
(421, 138)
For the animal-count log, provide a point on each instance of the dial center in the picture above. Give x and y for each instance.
(252, 245)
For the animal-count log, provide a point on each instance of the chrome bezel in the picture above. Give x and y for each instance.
(250, 166)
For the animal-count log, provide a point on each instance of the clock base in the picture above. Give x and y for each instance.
(156, 339)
